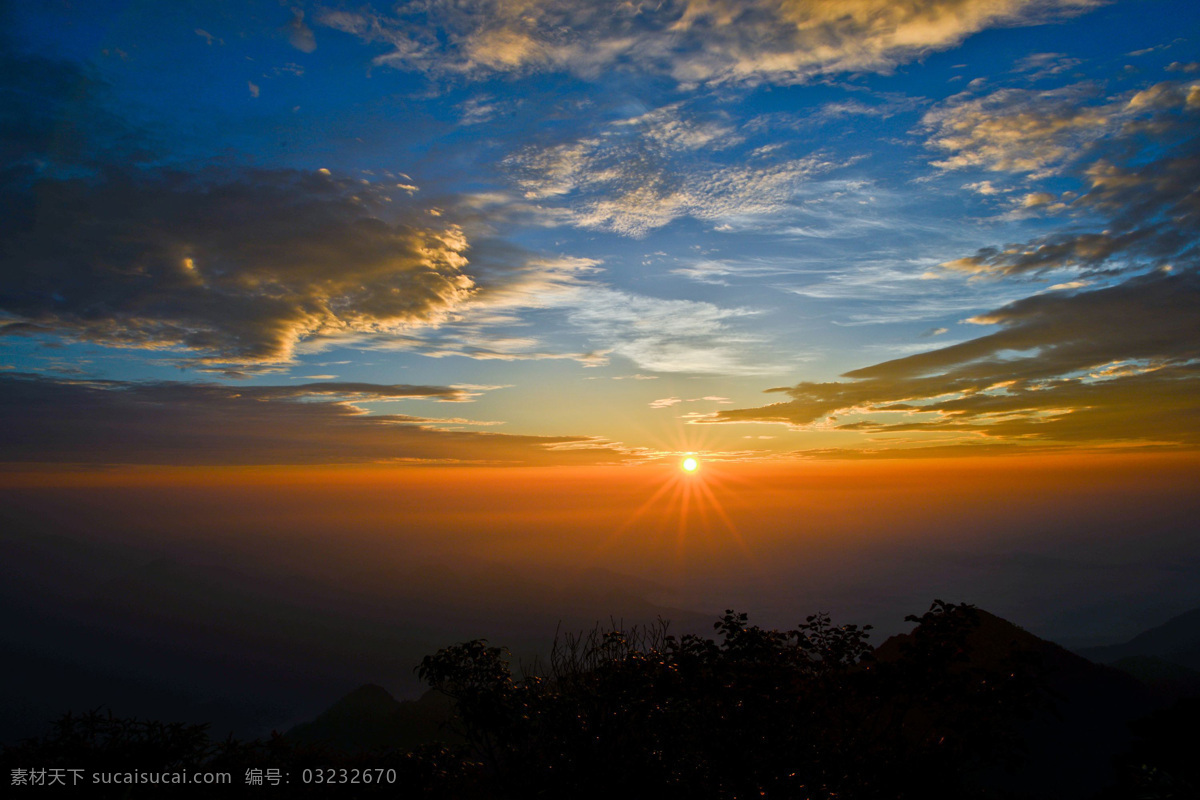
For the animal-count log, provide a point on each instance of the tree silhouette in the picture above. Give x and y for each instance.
(805, 713)
(812, 713)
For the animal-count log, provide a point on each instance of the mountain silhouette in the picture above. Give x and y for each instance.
(1078, 730)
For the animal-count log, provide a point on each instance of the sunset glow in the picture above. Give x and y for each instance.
(460, 319)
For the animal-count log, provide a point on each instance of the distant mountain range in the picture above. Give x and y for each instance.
(1166, 658)
(1177, 640)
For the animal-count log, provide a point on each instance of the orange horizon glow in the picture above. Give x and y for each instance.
(654, 521)
(50, 474)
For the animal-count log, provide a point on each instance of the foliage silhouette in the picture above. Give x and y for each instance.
(805, 713)
(813, 712)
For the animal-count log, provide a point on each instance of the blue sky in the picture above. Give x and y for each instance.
(925, 227)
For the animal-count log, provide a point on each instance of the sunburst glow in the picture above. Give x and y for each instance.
(683, 519)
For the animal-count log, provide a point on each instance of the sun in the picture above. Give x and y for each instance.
(687, 502)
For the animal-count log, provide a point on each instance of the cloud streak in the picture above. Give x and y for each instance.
(171, 423)
(1120, 364)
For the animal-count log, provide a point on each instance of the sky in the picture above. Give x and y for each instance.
(905, 277)
(604, 235)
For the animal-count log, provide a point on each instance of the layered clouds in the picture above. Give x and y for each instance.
(1108, 366)
(692, 189)
(1108, 356)
(694, 42)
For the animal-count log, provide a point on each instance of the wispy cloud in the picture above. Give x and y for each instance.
(666, 335)
(1017, 130)
(722, 272)
(641, 173)
(1144, 199)
(692, 41)
(669, 402)
(1043, 132)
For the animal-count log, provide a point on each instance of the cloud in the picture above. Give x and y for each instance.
(661, 335)
(115, 422)
(234, 267)
(984, 188)
(891, 290)
(668, 402)
(1043, 65)
(642, 173)
(476, 341)
(358, 391)
(1017, 130)
(300, 36)
(720, 273)
(657, 334)
(1139, 182)
(477, 110)
(1044, 132)
(692, 41)
(241, 270)
(1116, 364)
(1112, 358)
(1036, 199)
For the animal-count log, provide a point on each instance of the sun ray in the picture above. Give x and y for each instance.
(685, 513)
(685, 497)
(719, 511)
